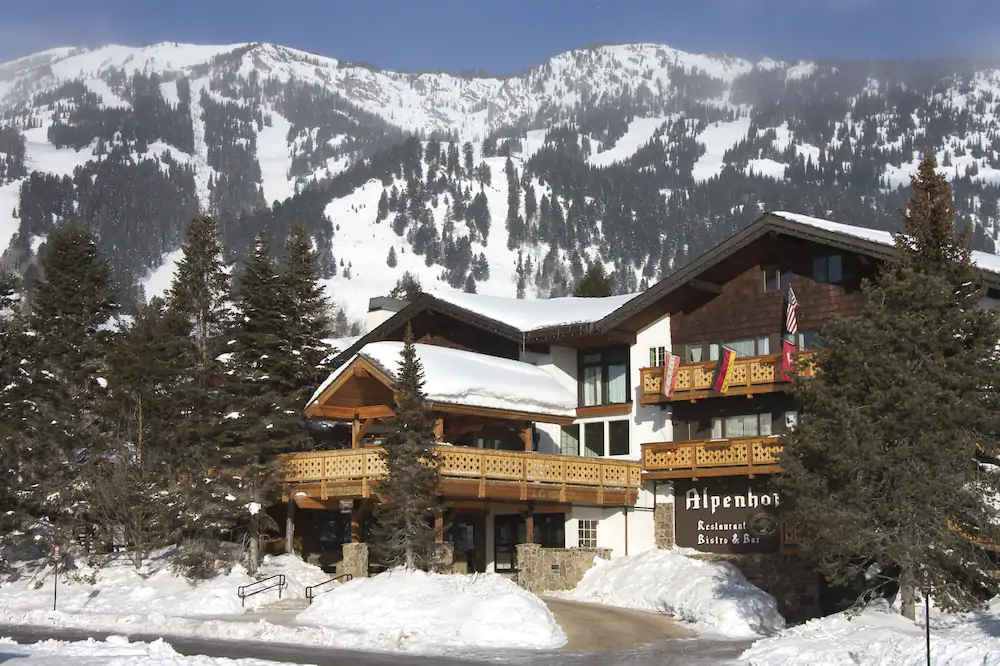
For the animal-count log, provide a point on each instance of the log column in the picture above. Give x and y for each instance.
(526, 437)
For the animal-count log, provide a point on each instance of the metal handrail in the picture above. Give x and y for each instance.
(310, 591)
(243, 594)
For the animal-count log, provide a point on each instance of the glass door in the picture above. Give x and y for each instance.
(508, 531)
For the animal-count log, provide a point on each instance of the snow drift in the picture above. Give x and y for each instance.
(714, 597)
(413, 610)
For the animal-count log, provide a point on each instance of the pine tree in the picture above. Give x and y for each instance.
(391, 259)
(880, 476)
(407, 287)
(64, 370)
(595, 283)
(405, 533)
(136, 490)
(199, 295)
(13, 520)
(259, 370)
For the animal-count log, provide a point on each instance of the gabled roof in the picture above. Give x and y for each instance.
(516, 319)
(455, 377)
(870, 242)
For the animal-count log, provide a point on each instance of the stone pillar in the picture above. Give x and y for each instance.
(355, 560)
(529, 576)
(663, 515)
(443, 557)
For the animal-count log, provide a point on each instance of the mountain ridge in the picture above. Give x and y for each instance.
(637, 155)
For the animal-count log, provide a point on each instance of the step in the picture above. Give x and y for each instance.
(287, 604)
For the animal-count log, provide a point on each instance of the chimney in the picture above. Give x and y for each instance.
(382, 308)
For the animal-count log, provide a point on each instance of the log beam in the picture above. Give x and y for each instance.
(350, 413)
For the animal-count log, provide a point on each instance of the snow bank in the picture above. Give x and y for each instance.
(713, 596)
(115, 651)
(119, 589)
(417, 610)
(467, 378)
(880, 636)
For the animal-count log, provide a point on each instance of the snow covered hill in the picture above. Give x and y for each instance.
(638, 155)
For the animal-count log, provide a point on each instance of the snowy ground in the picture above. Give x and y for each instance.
(115, 651)
(880, 636)
(417, 613)
(714, 598)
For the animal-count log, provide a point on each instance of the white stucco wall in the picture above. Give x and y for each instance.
(560, 362)
(649, 423)
(626, 531)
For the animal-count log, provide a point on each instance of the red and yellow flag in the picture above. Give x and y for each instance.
(724, 369)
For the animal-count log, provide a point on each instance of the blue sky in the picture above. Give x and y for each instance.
(505, 36)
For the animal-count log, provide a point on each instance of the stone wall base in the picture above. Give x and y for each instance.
(443, 558)
(663, 525)
(355, 560)
(793, 582)
(552, 569)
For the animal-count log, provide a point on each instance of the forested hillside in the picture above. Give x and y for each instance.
(639, 156)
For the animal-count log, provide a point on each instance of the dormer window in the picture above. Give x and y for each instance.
(776, 279)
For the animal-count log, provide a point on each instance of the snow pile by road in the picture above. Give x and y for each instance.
(417, 611)
(121, 590)
(880, 636)
(713, 597)
(115, 651)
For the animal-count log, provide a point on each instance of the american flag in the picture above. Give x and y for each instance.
(791, 324)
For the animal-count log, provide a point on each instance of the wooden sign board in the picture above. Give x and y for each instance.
(731, 515)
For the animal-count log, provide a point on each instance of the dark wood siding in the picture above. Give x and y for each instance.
(693, 421)
(444, 331)
(744, 309)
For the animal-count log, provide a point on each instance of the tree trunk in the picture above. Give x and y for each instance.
(411, 560)
(907, 602)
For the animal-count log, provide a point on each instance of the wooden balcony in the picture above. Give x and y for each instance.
(745, 456)
(751, 374)
(470, 473)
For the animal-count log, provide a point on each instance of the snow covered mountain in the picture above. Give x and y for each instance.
(638, 155)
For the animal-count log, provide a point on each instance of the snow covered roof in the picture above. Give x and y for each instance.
(984, 260)
(534, 315)
(872, 242)
(460, 377)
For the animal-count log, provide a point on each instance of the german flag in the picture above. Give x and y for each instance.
(724, 370)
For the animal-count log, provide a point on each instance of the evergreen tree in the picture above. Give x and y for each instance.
(405, 534)
(65, 378)
(136, 491)
(391, 259)
(12, 520)
(595, 283)
(407, 287)
(260, 368)
(199, 295)
(880, 476)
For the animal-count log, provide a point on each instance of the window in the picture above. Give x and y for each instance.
(587, 533)
(809, 340)
(747, 347)
(828, 270)
(569, 440)
(550, 530)
(593, 439)
(776, 279)
(618, 438)
(604, 377)
(657, 357)
(743, 425)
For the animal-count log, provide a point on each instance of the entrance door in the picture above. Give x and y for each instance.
(508, 531)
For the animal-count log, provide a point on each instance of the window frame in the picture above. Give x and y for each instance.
(586, 532)
(608, 357)
(609, 438)
(783, 281)
(760, 419)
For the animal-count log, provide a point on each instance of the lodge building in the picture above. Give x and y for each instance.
(579, 426)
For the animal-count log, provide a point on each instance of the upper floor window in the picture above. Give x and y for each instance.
(744, 425)
(828, 270)
(759, 346)
(809, 340)
(776, 279)
(657, 356)
(603, 376)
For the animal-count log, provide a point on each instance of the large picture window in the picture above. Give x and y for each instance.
(603, 377)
